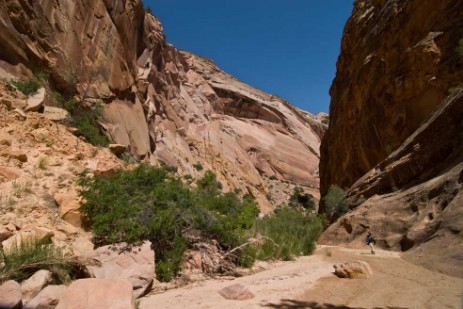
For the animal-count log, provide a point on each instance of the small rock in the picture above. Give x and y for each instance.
(35, 101)
(32, 286)
(236, 292)
(117, 149)
(69, 208)
(10, 173)
(55, 113)
(5, 139)
(22, 115)
(48, 298)
(10, 295)
(353, 270)
(82, 246)
(97, 293)
(15, 155)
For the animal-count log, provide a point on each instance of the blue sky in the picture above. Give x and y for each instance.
(284, 47)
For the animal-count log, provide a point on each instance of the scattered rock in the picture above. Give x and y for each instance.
(69, 208)
(236, 292)
(18, 155)
(22, 115)
(5, 139)
(10, 295)
(29, 233)
(35, 101)
(82, 246)
(32, 286)
(135, 264)
(55, 113)
(117, 149)
(97, 293)
(10, 173)
(48, 298)
(353, 270)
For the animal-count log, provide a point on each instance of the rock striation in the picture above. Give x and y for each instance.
(398, 97)
(166, 106)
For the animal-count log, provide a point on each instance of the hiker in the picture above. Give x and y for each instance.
(370, 240)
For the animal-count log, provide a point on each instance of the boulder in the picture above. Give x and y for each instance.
(236, 292)
(48, 298)
(35, 101)
(32, 286)
(135, 264)
(97, 293)
(117, 149)
(353, 270)
(29, 233)
(10, 295)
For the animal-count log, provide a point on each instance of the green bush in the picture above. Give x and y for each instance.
(334, 201)
(24, 260)
(149, 203)
(83, 118)
(86, 120)
(198, 166)
(300, 199)
(28, 87)
(287, 233)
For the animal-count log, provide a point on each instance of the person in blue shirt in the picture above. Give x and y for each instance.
(370, 240)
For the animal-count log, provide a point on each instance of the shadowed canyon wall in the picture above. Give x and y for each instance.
(395, 130)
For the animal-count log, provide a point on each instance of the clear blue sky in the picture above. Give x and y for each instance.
(284, 47)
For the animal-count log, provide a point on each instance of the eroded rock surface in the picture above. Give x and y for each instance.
(166, 106)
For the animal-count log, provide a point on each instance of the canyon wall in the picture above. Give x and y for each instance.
(167, 106)
(395, 138)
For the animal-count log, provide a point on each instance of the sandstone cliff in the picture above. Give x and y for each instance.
(167, 106)
(395, 130)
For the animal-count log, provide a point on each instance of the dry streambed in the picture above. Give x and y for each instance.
(309, 283)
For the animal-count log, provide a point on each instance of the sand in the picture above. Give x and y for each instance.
(309, 282)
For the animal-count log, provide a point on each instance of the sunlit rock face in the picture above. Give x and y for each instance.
(167, 106)
(395, 130)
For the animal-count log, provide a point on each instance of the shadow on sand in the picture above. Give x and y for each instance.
(296, 304)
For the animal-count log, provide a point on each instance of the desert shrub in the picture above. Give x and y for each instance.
(334, 201)
(150, 203)
(287, 233)
(198, 166)
(83, 118)
(23, 260)
(301, 199)
(28, 87)
(87, 123)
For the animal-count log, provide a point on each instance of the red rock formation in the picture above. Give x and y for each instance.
(395, 134)
(397, 64)
(165, 105)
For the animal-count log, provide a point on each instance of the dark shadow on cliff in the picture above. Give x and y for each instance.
(296, 304)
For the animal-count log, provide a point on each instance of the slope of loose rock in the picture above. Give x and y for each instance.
(40, 162)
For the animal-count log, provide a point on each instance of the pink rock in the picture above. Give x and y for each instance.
(10, 295)
(97, 293)
(236, 292)
(48, 298)
(353, 270)
(117, 262)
